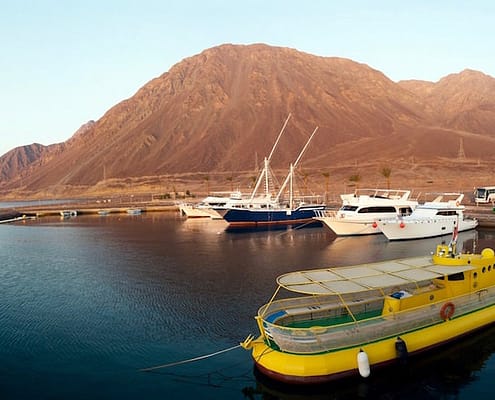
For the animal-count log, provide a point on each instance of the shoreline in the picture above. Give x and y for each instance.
(483, 213)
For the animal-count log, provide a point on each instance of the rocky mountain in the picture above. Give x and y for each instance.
(221, 110)
(18, 161)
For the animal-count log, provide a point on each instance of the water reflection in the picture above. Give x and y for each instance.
(275, 227)
(87, 301)
(362, 249)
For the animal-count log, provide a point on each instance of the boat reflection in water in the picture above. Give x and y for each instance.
(342, 250)
(275, 227)
(442, 373)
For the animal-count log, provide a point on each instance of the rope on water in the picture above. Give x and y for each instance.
(296, 227)
(189, 360)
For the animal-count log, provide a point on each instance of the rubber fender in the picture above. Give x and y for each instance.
(363, 364)
(401, 350)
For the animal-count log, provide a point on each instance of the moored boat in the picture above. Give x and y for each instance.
(302, 214)
(206, 207)
(361, 211)
(442, 216)
(134, 211)
(283, 209)
(348, 321)
(68, 213)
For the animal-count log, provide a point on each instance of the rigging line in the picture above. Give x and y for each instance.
(189, 360)
(296, 228)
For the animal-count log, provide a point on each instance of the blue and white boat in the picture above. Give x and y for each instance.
(284, 208)
(303, 213)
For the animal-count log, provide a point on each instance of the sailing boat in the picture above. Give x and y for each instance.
(214, 206)
(277, 210)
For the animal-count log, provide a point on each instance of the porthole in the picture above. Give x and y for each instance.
(432, 297)
(483, 269)
(475, 275)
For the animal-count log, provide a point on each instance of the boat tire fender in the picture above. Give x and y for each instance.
(401, 350)
(447, 311)
(363, 364)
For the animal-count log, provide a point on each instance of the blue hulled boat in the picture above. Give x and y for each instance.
(266, 216)
(282, 209)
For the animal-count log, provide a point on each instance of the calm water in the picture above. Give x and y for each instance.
(87, 302)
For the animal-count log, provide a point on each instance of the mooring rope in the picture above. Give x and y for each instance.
(189, 360)
(296, 228)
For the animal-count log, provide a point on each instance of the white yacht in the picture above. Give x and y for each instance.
(442, 216)
(361, 211)
(205, 208)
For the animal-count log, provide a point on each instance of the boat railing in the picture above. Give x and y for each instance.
(317, 337)
(326, 213)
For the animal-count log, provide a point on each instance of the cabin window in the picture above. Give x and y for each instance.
(348, 208)
(378, 209)
(489, 268)
(446, 212)
(483, 270)
(405, 211)
(457, 277)
(475, 275)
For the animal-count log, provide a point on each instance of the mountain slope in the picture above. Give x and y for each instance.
(222, 109)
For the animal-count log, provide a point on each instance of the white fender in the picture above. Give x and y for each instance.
(363, 364)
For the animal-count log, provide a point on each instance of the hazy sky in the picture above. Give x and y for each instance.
(64, 63)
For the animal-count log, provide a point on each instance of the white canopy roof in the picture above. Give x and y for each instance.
(360, 278)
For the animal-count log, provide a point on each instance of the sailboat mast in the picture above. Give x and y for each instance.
(289, 176)
(264, 173)
(291, 182)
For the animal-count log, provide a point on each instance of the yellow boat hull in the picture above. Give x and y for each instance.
(323, 367)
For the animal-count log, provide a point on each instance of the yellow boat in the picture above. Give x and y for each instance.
(348, 321)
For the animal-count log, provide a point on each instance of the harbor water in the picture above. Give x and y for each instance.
(90, 302)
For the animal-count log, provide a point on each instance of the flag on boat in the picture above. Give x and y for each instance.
(455, 233)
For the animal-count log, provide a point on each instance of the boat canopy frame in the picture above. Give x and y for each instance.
(365, 277)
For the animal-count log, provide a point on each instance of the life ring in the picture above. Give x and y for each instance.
(447, 311)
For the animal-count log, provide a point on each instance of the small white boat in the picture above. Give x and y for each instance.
(205, 208)
(103, 212)
(134, 211)
(361, 211)
(439, 217)
(68, 213)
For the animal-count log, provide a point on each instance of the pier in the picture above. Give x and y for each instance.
(30, 212)
(484, 214)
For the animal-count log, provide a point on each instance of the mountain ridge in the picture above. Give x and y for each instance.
(219, 110)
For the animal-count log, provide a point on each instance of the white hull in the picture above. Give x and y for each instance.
(191, 211)
(346, 227)
(361, 211)
(424, 228)
(436, 218)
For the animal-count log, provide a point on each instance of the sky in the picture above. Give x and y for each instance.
(63, 63)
